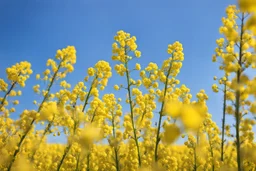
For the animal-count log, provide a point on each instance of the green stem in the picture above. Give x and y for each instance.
(13, 158)
(132, 116)
(237, 105)
(64, 156)
(41, 139)
(75, 126)
(88, 155)
(115, 147)
(88, 95)
(161, 115)
(94, 114)
(116, 159)
(195, 159)
(77, 163)
(223, 123)
(211, 150)
(8, 92)
(88, 162)
(144, 112)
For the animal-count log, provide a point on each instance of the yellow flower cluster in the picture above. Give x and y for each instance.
(48, 111)
(237, 57)
(19, 73)
(101, 72)
(250, 7)
(123, 45)
(3, 85)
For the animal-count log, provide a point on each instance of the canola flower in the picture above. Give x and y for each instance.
(103, 135)
(235, 62)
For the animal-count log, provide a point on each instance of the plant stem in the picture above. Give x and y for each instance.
(8, 92)
(33, 120)
(223, 123)
(131, 110)
(195, 159)
(161, 115)
(88, 162)
(211, 150)
(116, 159)
(115, 148)
(88, 95)
(74, 130)
(77, 163)
(64, 156)
(41, 139)
(237, 105)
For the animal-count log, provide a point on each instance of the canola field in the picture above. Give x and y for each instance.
(102, 136)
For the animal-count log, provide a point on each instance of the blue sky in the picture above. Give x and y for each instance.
(33, 30)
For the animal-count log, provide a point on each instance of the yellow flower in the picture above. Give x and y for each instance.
(88, 135)
(12, 110)
(36, 88)
(171, 133)
(251, 24)
(102, 87)
(13, 93)
(16, 102)
(214, 58)
(23, 164)
(47, 72)
(19, 93)
(48, 111)
(137, 66)
(3, 85)
(137, 53)
(190, 117)
(116, 87)
(215, 88)
(247, 5)
(230, 95)
(146, 82)
(37, 76)
(253, 108)
(173, 108)
(91, 72)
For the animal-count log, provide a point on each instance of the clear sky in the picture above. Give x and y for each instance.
(33, 30)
